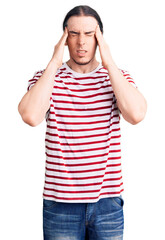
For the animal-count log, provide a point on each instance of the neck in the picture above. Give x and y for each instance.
(89, 67)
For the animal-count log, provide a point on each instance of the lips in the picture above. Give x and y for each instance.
(81, 53)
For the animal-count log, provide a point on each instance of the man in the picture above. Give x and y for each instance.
(82, 100)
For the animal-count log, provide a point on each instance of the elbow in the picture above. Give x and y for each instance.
(29, 120)
(137, 119)
(139, 115)
(28, 117)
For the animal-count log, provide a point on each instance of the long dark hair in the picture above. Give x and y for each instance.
(83, 10)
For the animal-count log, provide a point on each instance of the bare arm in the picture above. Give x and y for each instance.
(130, 101)
(36, 102)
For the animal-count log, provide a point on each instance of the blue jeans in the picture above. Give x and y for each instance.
(103, 220)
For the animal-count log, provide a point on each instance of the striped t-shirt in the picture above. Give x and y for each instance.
(83, 153)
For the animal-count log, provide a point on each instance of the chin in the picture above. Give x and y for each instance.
(82, 62)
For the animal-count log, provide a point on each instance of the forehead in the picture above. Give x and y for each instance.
(82, 23)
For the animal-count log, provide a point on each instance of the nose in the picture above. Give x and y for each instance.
(81, 39)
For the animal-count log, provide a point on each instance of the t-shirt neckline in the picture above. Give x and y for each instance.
(81, 74)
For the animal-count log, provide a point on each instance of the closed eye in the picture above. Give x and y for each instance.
(73, 33)
(90, 33)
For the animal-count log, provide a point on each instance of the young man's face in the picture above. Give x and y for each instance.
(81, 39)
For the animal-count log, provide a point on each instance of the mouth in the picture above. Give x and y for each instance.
(81, 52)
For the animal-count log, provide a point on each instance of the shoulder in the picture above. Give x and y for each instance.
(129, 77)
(102, 73)
(102, 70)
(125, 73)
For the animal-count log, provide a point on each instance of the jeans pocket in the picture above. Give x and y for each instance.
(118, 201)
(48, 204)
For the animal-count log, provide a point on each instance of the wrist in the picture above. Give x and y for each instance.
(52, 66)
(54, 63)
(51, 69)
(110, 65)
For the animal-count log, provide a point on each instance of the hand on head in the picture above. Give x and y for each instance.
(59, 49)
(103, 48)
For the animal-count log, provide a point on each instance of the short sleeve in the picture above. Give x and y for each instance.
(32, 82)
(127, 75)
(35, 78)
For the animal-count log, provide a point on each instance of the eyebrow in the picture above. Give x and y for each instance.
(78, 32)
(89, 32)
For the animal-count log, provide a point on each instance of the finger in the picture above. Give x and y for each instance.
(99, 35)
(64, 36)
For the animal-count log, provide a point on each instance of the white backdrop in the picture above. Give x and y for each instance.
(135, 33)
